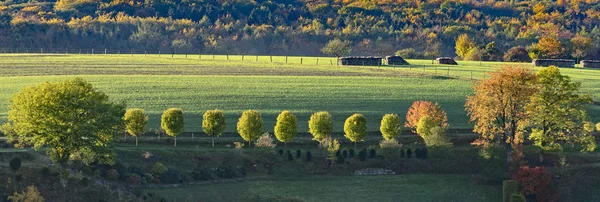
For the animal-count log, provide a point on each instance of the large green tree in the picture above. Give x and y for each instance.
(557, 112)
(213, 123)
(337, 47)
(250, 126)
(68, 117)
(172, 122)
(135, 122)
(286, 127)
(355, 128)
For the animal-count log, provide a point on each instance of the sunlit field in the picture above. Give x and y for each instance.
(198, 83)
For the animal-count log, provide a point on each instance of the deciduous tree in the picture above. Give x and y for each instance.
(580, 46)
(286, 127)
(337, 47)
(550, 47)
(390, 126)
(213, 124)
(250, 126)
(135, 122)
(172, 123)
(420, 109)
(498, 106)
(355, 128)
(557, 112)
(67, 117)
(464, 44)
(432, 133)
(320, 125)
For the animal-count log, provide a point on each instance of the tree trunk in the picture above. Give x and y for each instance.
(213, 141)
(354, 146)
(175, 143)
(136, 141)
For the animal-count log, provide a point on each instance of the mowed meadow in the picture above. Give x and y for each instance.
(157, 83)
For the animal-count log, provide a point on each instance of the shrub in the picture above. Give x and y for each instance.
(408, 153)
(308, 156)
(355, 128)
(239, 145)
(203, 174)
(351, 154)
(419, 109)
(517, 198)
(509, 187)
(432, 134)
(250, 126)
(517, 54)
(390, 126)
(286, 127)
(425, 153)
(112, 174)
(31, 194)
(389, 148)
(401, 153)
(372, 153)
(588, 127)
(345, 154)
(15, 163)
(280, 152)
(290, 156)
(84, 181)
(362, 155)
(45, 171)
(298, 154)
(493, 163)
(598, 127)
(535, 181)
(135, 169)
(172, 175)
(265, 141)
(418, 153)
(333, 147)
(158, 169)
(409, 53)
(149, 177)
(134, 179)
(320, 125)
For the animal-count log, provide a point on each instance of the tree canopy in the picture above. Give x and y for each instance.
(390, 126)
(355, 128)
(320, 125)
(172, 122)
(135, 122)
(70, 117)
(213, 123)
(286, 127)
(250, 126)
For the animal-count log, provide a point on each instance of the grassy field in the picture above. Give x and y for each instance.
(195, 85)
(348, 188)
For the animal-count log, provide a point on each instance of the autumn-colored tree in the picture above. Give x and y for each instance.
(420, 109)
(390, 126)
(557, 112)
(286, 127)
(550, 47)
(213, 124)
(31, 194)
(320, 125)
(250, 126)
(172, 122)
(135, 122)
(464, 44)
(355, 128)
(580, 46)
(498, 106)
(517, 54)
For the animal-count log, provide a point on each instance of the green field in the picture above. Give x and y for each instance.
(346, 188)
(156, 83)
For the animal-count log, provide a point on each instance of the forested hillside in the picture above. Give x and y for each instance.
(554, 29)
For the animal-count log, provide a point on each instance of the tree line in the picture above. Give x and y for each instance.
(421, 29)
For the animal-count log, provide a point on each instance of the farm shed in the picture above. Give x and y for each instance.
(590, 63)
(445, 61)
(553, 62)
(359, 61)
(395, 60)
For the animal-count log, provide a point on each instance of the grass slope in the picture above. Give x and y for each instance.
(156, 83)
(346, 188)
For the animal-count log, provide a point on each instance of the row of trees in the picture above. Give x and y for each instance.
(297, 27)
(427, 118)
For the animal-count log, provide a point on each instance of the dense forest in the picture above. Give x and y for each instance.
(544, 28)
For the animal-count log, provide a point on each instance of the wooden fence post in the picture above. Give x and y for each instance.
(104, 51)
(448, 71)
(317, 61)
(242, 57)
(256, 58)
(227, 56)
(286, 60)
(41, 50)
(92, 51)
(271, 57)
(301, 60)
(471, 74)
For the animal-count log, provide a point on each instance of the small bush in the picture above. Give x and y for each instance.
(265, 141)
(280, 152)
(203, 174)
(509, 187)
(535, 182)
(362, 155)
(134, 179)
(345, 154)
(239, 145)
(15, 164)
(135, 169)
(172, 175)
(408, 153)
(298, 154)
(424, 153)
(112, 174)
(158, 169)
(149, 177)
(517, 198)
(290, 156)
(372, 153)
(517, 54)
(401, 153)
(308, 156)
(351, 153)
(84, 181)
(418, 153)
(97, 173)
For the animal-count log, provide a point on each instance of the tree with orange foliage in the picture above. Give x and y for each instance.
(420, 109)
(498, 106)
(550, 47)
